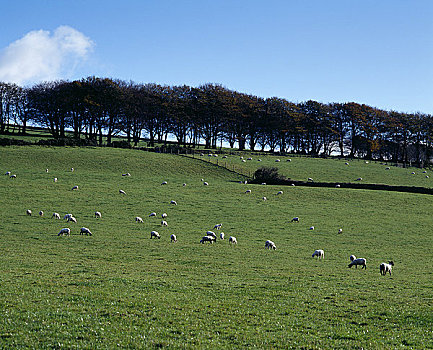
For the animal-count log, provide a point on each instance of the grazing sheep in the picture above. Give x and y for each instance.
(98, 214)
(215, 155)
(164, 223)
(270, 245)
(85, 231)
(72, 219)
(64, 231)
(211, 233)
(67, 216)
(233, 240)
(259, 160)
(41, 213)
(173, 238)
(72, 169)
(310, 179)
(243, 160)
(346, 163)
(29, 212)
(122, 192)
(319, 253)
(152, 214)
(74, 188)
(210, 239)
(218, 226)
(202, 180)
(359, 261)
(288, 160)
(277, 160)
(248, 191)
(250, 158)
(55, 179)
(8, 173)
(366, 162)
(295, 219)
(46, 170)
(426, 176)
(184, 185)
(222, 235)
(241, 157)
(264, 198)
(164, 215)
(387, 168)
(173, 202)
(352, 257)
(293, 184)
(311, 228)
(155, 234)
(245, 182)
(205, 183)
(201, 154)
(337, 186)
(127, 174)
(14, 176)
(164, 183)
(224, 157)
(413, 173)
(359, 179)
(340, 230)
(138, 219)
(56, 216)
(386, 267)
(279, 192)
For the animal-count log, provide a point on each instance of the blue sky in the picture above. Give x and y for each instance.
(374, 52)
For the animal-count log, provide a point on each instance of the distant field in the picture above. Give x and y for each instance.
(120, 288)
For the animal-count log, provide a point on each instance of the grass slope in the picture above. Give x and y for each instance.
(119, 287)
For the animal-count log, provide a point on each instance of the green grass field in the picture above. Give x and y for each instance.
(119, 288)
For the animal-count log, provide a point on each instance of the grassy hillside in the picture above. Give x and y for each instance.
(119, 287)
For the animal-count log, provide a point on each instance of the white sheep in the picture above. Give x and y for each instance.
(67, 216)
(248, 191)
(264, 198)
(8, 173)
(72, 219)
(64, 231)
(138, 219)
(56, 216)
(164, 215)
(386, 267)
(164, 183)
(152, 214)
(427, 176)
(55, 179)
(41, 213)
(173, 202)
(359, 179)
(288, 160)
(387, 168)
(46, 170)
(263, 183)
(241, 157)
(277, 160)
(164, 223)
(259, 160)
(352, 257)
(295, 219)
(359, 261)
(154, 234)
(311, 228)
(85, 231)
(74, 188)
(319, 253)
(337, 186)
(340, 230)
(310, 179)
(122, 192)
(218, 226)
(184, 185)
(224, 157)
(126, 174)
(72, 169)
(250, 158)
(233, 240)
(29, 212)
(173, 238)
(14, 176)
(211, 233)
(98, 214)
(207, 239)
(346, 163)
(205, 183)
(222, 235)
(413, 173)
(279, 192)
(270, 245)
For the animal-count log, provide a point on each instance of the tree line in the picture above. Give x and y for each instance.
(96, 108)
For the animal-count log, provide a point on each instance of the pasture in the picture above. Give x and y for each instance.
(120, 288)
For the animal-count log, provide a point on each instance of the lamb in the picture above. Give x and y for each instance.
(233, 240)
(211, 233)
(72, 219)
(85, 231)
(98, 214)
(41, 213)
(138, 219)
(222, 235)
(279, 192)
(74, 188)
(207, 239)
(127, 174)
(122, 192)
(164, 215)
(295, 219)
(319, 253)
(56, 216)
(29, 212)
(270, 245)
(164, 183)
(218, 226)
(152, 214)
(352, 257)
(173, 202)
(155, 234)
(386, 267)
(359, 261)
(164, 223)
(173, 238)
(64, 232)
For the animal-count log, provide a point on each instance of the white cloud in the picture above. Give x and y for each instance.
(40, 55)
